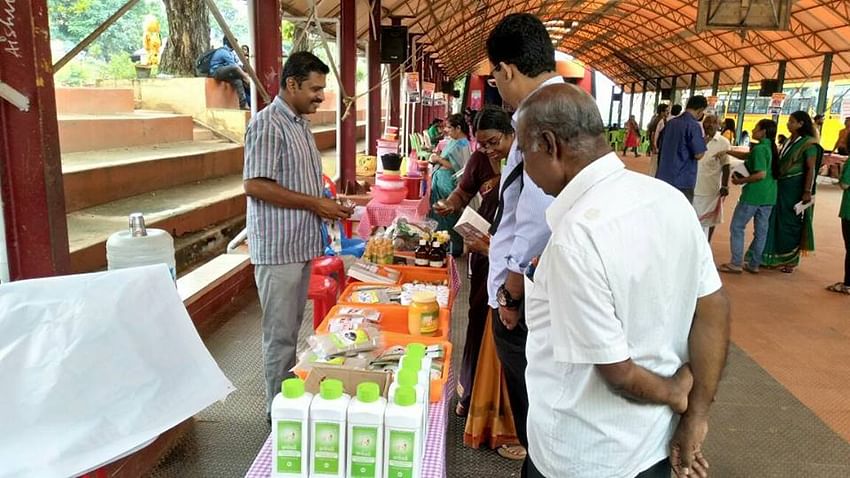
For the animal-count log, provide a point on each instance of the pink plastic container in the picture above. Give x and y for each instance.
(388, 196)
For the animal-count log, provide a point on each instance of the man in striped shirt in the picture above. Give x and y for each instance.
(283, 182)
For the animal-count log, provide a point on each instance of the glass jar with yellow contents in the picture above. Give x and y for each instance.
(423, 316)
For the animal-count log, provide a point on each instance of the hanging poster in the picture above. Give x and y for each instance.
(776, 101)
(439, 99)
(411, 83)
(712, 105)
(427, 93)
(475, 100)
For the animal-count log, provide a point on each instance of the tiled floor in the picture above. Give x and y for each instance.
(781, 411)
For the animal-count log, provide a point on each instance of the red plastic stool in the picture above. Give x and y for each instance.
(330, 266)
(323, 294)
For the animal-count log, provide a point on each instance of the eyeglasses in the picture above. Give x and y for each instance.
(492, 80)
(491, 143)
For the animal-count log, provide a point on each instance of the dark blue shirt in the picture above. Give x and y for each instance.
(222, 57)
(681, 142)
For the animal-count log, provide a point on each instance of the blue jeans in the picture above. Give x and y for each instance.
(743, 213)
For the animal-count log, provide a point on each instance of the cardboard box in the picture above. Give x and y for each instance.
(350, 379)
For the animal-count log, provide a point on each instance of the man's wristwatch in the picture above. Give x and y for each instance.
(503, 297)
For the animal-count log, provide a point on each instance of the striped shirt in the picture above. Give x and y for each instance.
(280, 146)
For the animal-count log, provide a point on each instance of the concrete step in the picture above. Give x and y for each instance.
(98, 177)
(199, 133)
(94, 101)
(96, 132)
(180, 210)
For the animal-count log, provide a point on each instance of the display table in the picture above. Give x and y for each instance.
(382, 215)
(434, 462)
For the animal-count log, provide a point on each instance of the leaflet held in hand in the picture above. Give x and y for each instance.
(472, 227)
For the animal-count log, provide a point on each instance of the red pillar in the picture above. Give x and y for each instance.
(396, 73)
(32, 188)
(374, 68)
(268, 45)
(348, 69)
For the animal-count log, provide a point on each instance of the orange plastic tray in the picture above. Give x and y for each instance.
(393, 320)
(437, 385)
(345, 297)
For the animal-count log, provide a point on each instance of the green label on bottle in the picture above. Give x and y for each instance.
(288, 453)
(364, 452)
(326, 450)
(401, 445)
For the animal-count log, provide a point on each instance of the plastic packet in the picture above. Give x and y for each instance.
(345, 343)
(351, 318)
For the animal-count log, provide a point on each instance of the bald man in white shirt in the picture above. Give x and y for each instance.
(628, 324)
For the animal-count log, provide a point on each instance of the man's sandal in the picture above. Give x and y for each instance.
(512, 452)
(839, 288)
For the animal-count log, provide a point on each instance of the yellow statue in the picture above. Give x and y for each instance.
(151, 40)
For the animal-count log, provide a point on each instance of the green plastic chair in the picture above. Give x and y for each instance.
(643, 148)
(416, 144)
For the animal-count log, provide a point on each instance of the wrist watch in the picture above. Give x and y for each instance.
(503, 297)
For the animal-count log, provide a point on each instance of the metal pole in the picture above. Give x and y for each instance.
(824, 83)
(632, 100)
(673, 91)
(643, 102)
(620, 106)
(715, 83)
(395, 86)
(33, 195)
(780, 75)
(268, 47)
(374, 66)
(93, 35)
(348, 63)
(742, 106)
(693, 86)
(657, 93)
(611, 107)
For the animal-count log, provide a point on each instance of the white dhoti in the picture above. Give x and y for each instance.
(709, 210)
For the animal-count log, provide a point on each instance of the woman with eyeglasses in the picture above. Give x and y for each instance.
(480, 387)
(447, 167)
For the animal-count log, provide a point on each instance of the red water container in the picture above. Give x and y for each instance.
(414, 186)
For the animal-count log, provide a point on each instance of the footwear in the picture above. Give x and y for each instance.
(461, 411)
(730, 268)
(751, 269)
(839, 288)
(787, 269)
(512, 452)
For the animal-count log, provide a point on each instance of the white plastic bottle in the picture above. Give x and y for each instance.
(365, 452)
(407, 377)
(412, 351)
(140, 246)
(403, 436)
(327, 431)
(290, 430)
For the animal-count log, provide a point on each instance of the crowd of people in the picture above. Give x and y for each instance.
(567, 365)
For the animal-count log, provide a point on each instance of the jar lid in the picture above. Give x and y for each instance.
(424, 297)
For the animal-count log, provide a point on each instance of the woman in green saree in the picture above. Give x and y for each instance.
(447, 167)
(790, 234)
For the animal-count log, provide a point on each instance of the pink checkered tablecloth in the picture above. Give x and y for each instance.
(382, 215)
(434, 461)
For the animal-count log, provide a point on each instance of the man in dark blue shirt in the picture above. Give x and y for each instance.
(225, 66)
(682, 145)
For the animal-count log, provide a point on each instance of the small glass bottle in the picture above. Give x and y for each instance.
(437, 258)
(423, 254)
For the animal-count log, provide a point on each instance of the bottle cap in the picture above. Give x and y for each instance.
(292, 388)
(407, 377)
(368, 392)
(331, 389)
(424, 297)
(415, 348)
(405, 396)
(412, 362)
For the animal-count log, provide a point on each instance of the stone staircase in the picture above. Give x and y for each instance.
(170, 149)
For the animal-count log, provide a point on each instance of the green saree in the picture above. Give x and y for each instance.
(790, 235)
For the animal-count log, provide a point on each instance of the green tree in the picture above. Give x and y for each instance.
(189, 37)
(73, 20)
(237, 21)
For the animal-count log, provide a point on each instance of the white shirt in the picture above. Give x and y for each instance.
(522, 234)
(619, 279)
(710, 167)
